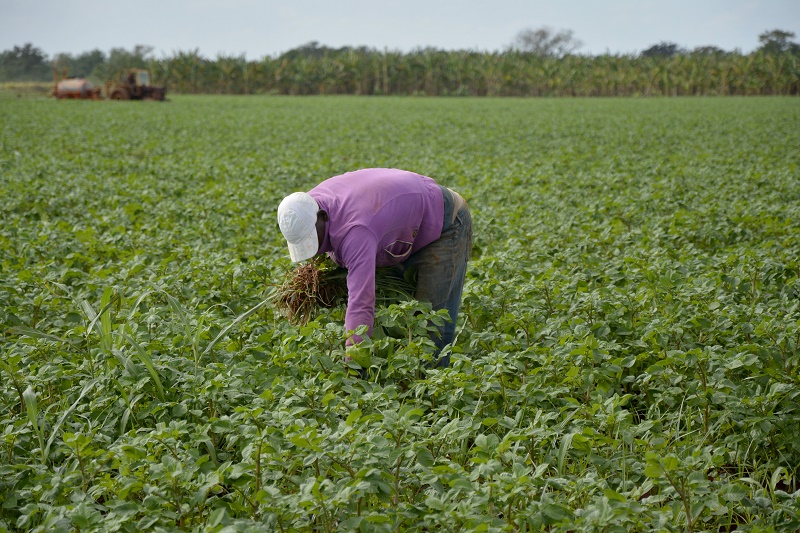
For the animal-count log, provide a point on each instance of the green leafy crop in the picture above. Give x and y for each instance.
(626, 355)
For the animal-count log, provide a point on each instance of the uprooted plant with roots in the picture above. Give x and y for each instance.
(320, 283)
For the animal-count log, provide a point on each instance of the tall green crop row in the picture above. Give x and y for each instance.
(433, 72)
(626, 359)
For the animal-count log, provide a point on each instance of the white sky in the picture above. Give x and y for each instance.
(268, 27)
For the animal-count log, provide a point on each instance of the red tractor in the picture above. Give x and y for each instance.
(136, 86)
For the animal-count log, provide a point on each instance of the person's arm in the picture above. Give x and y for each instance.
(358, 251)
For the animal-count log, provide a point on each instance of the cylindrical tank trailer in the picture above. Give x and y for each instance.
(77, 88)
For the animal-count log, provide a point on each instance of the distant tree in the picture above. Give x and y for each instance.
(663, 49)
(80, 66)
(120, 60)
(24, 63)
(708, 51)
(65, 60)
(313, 49)
(546, 42)
(777, 41)
(309, 49)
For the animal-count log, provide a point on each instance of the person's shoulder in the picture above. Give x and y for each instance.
(356, 244)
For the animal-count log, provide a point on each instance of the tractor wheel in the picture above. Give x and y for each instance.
(120, 94)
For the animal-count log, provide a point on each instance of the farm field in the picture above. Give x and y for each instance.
(627, 352)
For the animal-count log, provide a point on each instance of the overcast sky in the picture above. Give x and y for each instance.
(268, 27)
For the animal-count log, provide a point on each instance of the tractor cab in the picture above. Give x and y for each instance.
(136, 87)
(139, 77)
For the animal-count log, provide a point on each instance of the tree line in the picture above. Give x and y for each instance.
(540, 63)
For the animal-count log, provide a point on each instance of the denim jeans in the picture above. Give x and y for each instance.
(441, 267)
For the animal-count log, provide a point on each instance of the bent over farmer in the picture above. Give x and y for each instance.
(381, 217)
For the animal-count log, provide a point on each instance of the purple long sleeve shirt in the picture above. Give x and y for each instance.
(376, 217)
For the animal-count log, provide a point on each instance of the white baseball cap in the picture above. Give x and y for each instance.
(297, 217)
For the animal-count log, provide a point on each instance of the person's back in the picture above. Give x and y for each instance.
(399, 211)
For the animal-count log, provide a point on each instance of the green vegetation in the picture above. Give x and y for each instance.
(467, 73)
(25, 89)
(626, 360)
(537, 66)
